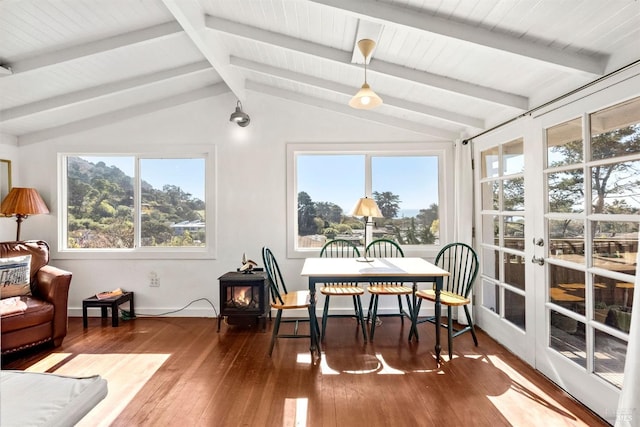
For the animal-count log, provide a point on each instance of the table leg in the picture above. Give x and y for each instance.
(85, 323)
(438, 308)
(414, 313)
(132, 307)
(313, 321)
(114, 315)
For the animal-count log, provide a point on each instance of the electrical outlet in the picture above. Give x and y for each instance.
(154, 280)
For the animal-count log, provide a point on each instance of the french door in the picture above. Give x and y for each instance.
(557, 230)
(504, 301)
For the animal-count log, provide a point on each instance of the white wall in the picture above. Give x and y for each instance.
(251, 196)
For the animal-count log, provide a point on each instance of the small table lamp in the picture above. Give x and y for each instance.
(366, 208)
(22, 202)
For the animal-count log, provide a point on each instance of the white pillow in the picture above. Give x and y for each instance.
(15, 275)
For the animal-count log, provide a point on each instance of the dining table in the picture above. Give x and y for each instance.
(359, 270)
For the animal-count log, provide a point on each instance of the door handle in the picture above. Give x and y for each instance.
(539, 261)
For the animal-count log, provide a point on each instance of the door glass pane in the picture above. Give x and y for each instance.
(566, 191)
(491, 296)
(613, 300)
(615, 186)
(513, 157)
(514, 232)
(514, 308)
(566, 239)
(491, 229)
(566, 288)
(566, 335)
(615, 131)
(514, 270)
(490, 195)
(490, 165)
(564, 144)
(609, 357)
(513, 194)
(615, 245)
(490, 263)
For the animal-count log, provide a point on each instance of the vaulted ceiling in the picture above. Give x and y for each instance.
(444, 68)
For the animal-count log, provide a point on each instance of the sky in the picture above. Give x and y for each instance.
(159, 172)
(340, 179)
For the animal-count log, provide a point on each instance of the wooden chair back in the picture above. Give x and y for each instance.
(278, 287)
(339, 248)
(384, 248)
(461, 261)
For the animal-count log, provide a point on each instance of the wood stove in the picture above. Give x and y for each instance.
(244, 298)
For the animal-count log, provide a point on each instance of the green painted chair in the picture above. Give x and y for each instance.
(281, 300)
(384, 248)
(461, 261)
(340, 248)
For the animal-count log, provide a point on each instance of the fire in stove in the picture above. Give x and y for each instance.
(241, 297)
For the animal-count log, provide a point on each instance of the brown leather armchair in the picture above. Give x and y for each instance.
(45, 319)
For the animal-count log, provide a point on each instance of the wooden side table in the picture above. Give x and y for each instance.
(106, 303)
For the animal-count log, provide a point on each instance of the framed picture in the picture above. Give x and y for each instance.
(5, 178)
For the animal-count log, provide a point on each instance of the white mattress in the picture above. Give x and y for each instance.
(42, 399)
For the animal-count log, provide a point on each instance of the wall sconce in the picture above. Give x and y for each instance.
(239, 116)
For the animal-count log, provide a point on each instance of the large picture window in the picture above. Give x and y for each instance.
(407, 183)
(131, 202)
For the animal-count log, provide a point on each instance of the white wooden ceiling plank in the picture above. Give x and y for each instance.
(123, 114)
(88, 94)
(345, 109)
(96, 47)
(421, 77)
(470, 34)
(324, 84)
(191, 17)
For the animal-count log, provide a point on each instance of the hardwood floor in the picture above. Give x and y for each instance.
(180, 371)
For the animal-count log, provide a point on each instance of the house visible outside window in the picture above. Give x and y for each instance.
(407, 181)
(129, 202)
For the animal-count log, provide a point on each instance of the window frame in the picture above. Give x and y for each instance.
(444, 151)
(209, 251)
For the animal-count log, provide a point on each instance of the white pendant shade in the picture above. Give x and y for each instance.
(365, 99)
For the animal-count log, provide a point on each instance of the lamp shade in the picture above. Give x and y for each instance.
(365, 99)
(367, 207)
(23, 202)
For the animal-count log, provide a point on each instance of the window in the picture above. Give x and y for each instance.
(134, 203)
(406, 180)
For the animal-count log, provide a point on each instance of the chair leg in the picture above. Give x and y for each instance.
(414, 330)
(450, 331)
(276, 329)
(400, 307)
(325, 314)
(472, 329)
(374, 316)
(357, 303)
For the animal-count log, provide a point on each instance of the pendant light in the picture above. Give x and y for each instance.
(366, 98)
